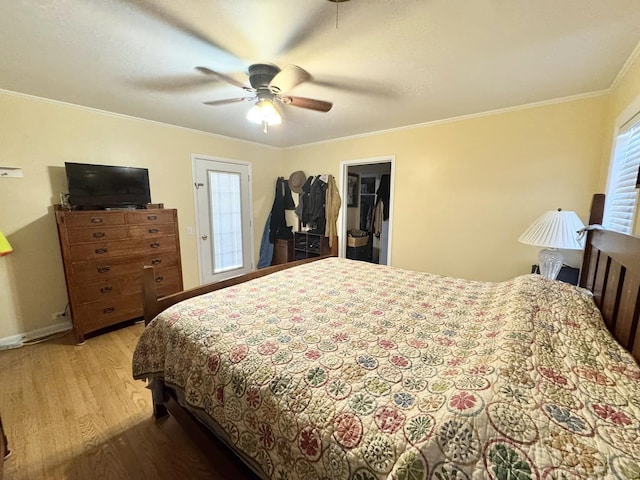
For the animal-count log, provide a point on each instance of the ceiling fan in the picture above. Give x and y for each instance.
(269, 83)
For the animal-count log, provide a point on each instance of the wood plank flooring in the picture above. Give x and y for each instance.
(74, 412)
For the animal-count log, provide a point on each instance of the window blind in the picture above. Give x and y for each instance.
(622, 196)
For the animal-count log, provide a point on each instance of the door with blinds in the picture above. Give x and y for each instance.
(223, 210)
(624, 179)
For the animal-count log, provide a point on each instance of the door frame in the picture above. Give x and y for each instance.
(344, 166)
(197, 156)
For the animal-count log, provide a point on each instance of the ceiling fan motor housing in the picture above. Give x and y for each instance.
(260, 75)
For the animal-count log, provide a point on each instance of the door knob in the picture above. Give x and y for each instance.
(204, 237)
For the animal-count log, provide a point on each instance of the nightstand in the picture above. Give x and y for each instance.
(567, 274)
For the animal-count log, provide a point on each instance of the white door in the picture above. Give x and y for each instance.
(223, 209)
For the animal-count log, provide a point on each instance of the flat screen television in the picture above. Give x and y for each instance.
(107, 186)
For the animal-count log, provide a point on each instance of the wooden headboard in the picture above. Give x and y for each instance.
(611, 270)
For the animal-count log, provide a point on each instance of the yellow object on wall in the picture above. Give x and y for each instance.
(5, 246)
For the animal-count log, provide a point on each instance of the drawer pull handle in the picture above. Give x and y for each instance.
(153, 230)
(103, 269)
(98, 234)
(96, 220)
(154, 245)
(106, 289)
(156, 261)
(152, 217)
(108, 310)
(159, 279)
(100, 251)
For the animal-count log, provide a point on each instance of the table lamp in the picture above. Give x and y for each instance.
(555, 229)
(5, 246)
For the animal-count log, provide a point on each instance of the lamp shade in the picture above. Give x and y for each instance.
(264, 112)
(5, 246)
(555, 229)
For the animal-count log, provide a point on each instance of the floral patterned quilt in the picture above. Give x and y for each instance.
(345, 370)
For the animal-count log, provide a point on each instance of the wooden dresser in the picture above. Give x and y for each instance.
(104, 252)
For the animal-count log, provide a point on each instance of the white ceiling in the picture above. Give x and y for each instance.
(387, 63)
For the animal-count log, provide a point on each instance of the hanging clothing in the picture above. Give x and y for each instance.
(315, 197)
(289, 204)
(300, 208)
(369, 224)
(383, 194)
(303, 204)
(378, 215)
(266, 247)
(332, 208)
(278, 227)
(318, 200)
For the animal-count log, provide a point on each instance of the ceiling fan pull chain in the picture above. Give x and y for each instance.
(337, 2)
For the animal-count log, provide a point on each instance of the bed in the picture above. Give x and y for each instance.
(347, 370)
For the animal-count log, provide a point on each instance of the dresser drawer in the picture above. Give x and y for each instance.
(150, 216)
(107, 289)
(108, 311)
(96, 234)
(167, 281)
(151, 230)
(91, 251)
(108, 268)
(92, 219)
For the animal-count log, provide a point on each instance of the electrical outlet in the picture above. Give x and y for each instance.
(57, 316)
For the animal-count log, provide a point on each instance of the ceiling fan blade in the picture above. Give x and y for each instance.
(288, 78)
(172, 19)
(222, 76)
(228, 100)
(310, 103)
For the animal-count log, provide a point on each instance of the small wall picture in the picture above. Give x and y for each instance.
(353, 192)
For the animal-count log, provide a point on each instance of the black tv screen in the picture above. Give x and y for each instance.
(106, 186)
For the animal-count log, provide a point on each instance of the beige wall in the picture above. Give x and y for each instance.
(39, 136)
(465, 190)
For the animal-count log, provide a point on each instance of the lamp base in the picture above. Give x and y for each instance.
(550, 262)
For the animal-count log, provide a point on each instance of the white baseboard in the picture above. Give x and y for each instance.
(16, 341)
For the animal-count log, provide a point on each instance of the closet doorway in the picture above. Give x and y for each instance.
(367, 209)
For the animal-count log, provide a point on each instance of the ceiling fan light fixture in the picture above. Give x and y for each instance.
(264, 113)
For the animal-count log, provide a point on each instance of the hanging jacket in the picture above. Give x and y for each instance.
(332, 208)
(278, 221)
(303, 206)
(289, 204)
(316, 205)
(266, 247)
(383, 194)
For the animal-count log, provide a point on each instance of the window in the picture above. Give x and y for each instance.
(226, 215)
(622, 193)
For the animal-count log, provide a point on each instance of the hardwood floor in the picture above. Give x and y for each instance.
(74, 412)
